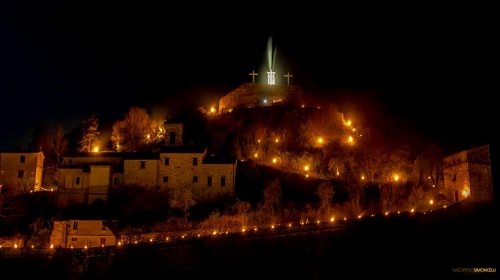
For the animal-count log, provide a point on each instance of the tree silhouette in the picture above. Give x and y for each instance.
(89, 134)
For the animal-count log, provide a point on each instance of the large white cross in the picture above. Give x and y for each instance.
(253, 74)
(288, 76)
(270, 77)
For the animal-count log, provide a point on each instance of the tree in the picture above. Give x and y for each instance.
(89, 134)
(182, 198)
(371, 154)
(271, 196)
(137, 131)
(325, 193)
(58, 142)
(26, 183)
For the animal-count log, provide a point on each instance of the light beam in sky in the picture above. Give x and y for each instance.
(271, 58)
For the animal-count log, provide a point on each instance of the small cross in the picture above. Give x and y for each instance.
(253, 74)
(288, 77)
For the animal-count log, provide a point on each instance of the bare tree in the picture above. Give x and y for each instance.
(325, 193)
(371, 154)
(136, 131)
(271, 196)
(182, 198)
(58, 142)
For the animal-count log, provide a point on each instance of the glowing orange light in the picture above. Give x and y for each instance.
(96, 149)
(275, 160)
(212, 109)
(396, 177)
(306, 167)
(320, 140)
(431, 201)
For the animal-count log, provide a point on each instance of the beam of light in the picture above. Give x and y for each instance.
(271, 53)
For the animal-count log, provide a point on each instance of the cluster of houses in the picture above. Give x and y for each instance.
(87, 178)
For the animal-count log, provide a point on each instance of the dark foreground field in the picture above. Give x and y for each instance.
(460, 242)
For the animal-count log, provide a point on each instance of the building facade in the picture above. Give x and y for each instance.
(467, 174)
(21, 171)
(85, 179)
(81, 234)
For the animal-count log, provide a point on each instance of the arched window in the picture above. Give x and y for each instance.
(77, 180)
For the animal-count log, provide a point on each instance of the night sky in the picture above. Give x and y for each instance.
(63, 60)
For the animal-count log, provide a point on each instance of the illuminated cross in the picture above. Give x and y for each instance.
(253, 74)
(288, 76)
(270, 77)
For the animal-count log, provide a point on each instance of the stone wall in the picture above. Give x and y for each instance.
(253, 94)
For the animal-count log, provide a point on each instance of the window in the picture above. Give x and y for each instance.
(75, 225)
(103, 241)
(23, 159)
(74, 239)
(454, 177)
(115, 181)
(195, 161)
(172, 138)
(209, 181)
(20, 174)
(165, 179)
(70, 161)
(222, 181)
(167, 161)
(143, 164)
(195, 179)
(77, 181)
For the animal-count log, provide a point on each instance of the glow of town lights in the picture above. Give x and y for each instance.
(302, 106)
(362, 177)
(412, 210)
(166, 239)
(349, 123)
(307, 175)
(32, 246)
(272, 226)
(51, 246)
(243, 230)
(350, 138)
(318, 222)
(277, 140)
(258, 140)
(255, 155)
(212, 109)
(15, 245)
(306, 168)
(255, 229)
(85, 247)
(465, 193)
(345, 218)
(302, 223)
(320, 140)
(148, 136)
(214, 233)
(274, 160)
(359, 217)
(135, 242)
(396, 177)
(289, 225)
(431, 201)
(119, 243)
(151, 240)
(96, 149)
(353, 129)
(332, 219)
(386, 213)
(71, 247)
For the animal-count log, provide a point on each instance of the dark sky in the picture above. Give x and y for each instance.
(63, 60)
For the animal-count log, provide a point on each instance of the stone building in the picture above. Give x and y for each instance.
(81, 234)
(467, 174)
(87, 178)
(250, 95)
(21, 167)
